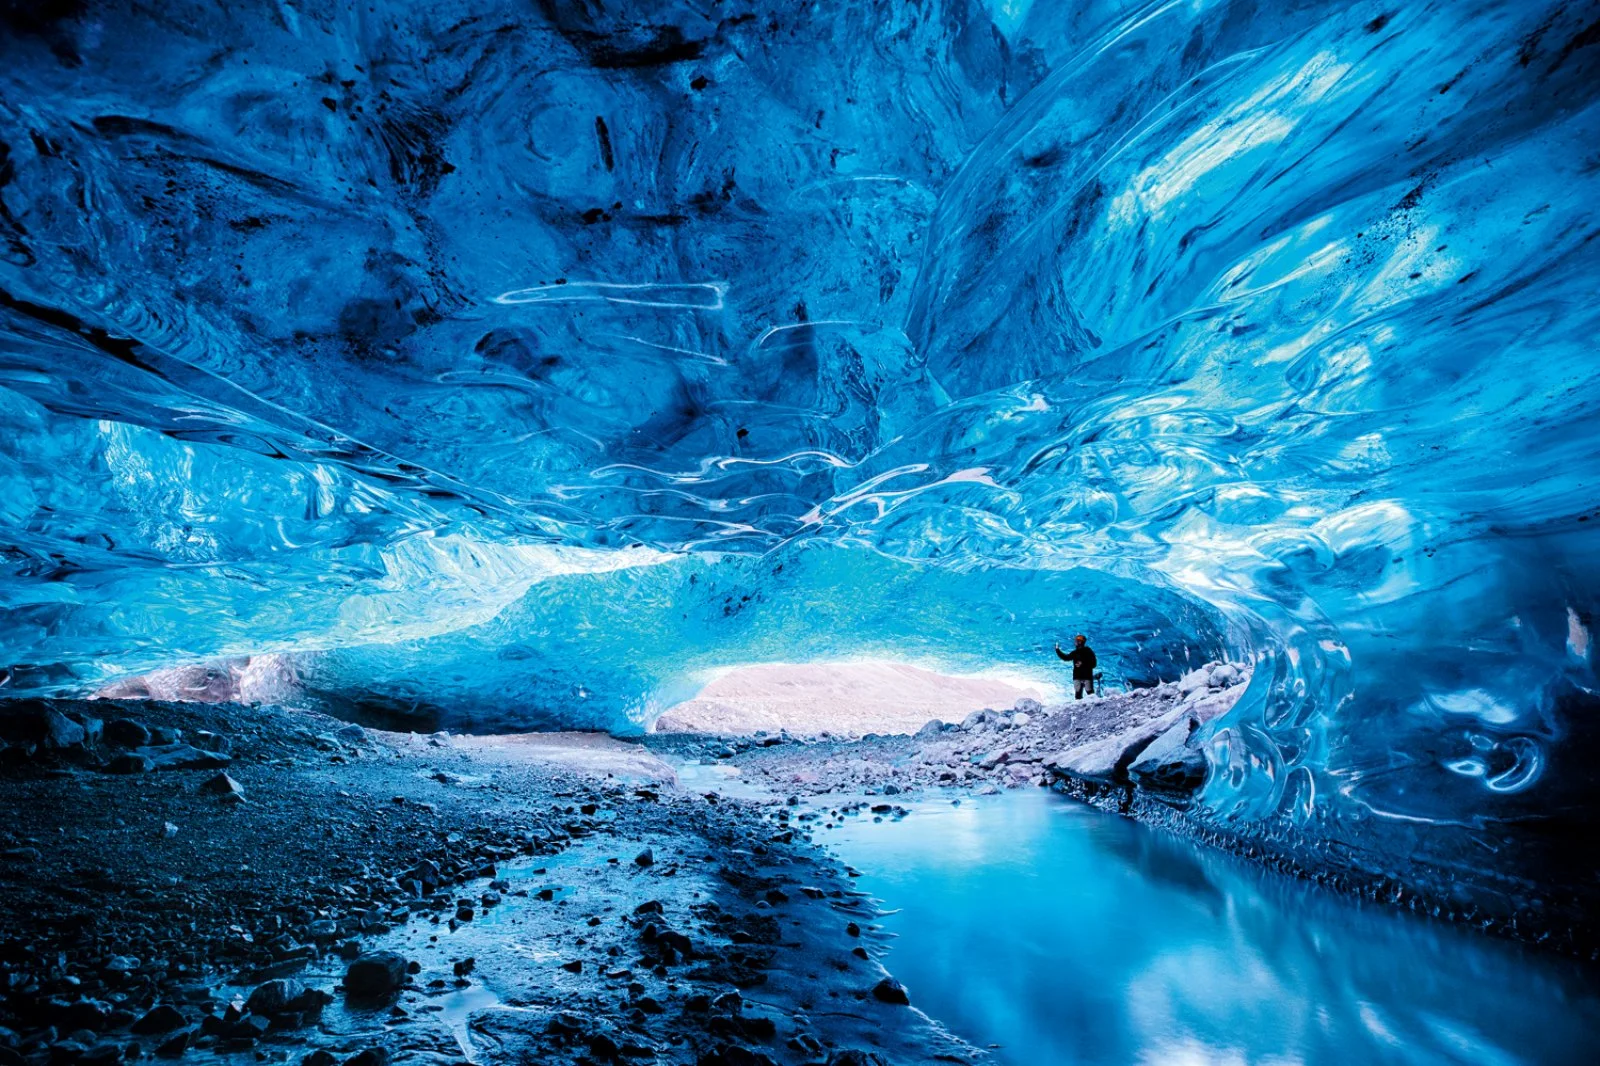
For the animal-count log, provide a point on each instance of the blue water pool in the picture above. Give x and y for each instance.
(1065, 935)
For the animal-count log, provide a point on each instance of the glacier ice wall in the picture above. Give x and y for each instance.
(445, 347)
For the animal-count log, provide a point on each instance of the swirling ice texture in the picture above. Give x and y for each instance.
(387, 336)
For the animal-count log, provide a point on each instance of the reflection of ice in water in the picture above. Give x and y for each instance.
(1067, 935)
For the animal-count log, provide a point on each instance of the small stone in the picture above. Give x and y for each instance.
(647, 857)
(168, 830)
(274, 997)
(130, 762)
(175, 1045)
(372, 1056)
(126, 733)
(223, 785)
(162, 1018)
(380, 973)
(575, 966)
(104, 1054)
(889, 990)
(214, 742)
(184, 757)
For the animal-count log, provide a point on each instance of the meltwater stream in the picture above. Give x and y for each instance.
(1066, 935)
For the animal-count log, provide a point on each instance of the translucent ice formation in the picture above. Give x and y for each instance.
(476, 355)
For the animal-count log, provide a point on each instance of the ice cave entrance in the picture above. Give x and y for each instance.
(849, 697)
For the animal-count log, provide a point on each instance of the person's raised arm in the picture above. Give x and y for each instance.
(1064, 656)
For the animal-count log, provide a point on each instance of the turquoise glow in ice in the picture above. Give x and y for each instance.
(413, 340)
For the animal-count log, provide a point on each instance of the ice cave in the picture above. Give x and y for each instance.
(546, 531)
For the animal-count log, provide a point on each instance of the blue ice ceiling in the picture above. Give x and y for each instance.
(474, 351)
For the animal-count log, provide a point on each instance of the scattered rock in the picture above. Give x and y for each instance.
(1224, 675)
(889, 990)
(126, 733)
(183, 757)
(213, 742)
(285, 996)
(995, 758)
(647, 857)
(380, 973)
(979, 718)
(175, 1045)
(223, 785)
(162, 1018)
(130, 762)
(1107, 759)
(31, 722)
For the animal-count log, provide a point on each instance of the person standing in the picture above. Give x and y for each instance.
(1083, 663)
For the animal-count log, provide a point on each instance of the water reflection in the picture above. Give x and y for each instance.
(1069, 936)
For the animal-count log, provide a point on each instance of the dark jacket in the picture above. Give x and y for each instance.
(1082, 660)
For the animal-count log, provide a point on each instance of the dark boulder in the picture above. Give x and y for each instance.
(34, 723)
(380, 973)
(176, 1044)
(130, 762)
(282, 996)
(223, 785)
(162, 1018)
(889, 990)
(213, 742)
(127, 733)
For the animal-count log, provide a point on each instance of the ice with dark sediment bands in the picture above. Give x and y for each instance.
(519, 363)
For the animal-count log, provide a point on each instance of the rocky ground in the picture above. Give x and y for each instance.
(212, 882)
(1143, 738)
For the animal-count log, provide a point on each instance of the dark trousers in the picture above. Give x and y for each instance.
(1080, 684)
